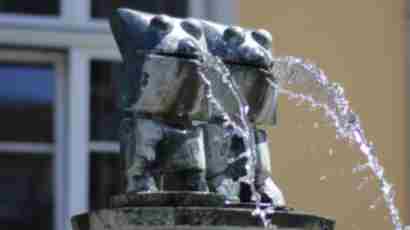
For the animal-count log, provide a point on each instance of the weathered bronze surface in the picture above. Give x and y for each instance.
(168, 130)
(186, 165)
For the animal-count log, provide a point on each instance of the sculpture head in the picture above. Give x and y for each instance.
(163, 56)
(157, 34)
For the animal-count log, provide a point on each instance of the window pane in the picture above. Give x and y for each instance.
(104, 113)
(105, 180)
(104, 8)
(37, 7)
(26, 200)
(26, 102)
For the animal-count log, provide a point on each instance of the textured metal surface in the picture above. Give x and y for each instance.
(164, 89)
(171, 65)
(150, 147)
(162, 34)
(168, 132)
(143, 37)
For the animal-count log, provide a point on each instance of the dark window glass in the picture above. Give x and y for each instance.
(104, 182)
(26, 102)
(104, 113)
(104, 8)
(26, 200)
(37, 7)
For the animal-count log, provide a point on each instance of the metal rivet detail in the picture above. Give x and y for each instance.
(161, 23)
(192, 27)
(263, 38)
(234, 35)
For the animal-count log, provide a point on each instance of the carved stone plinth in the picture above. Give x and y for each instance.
(193, 218)
(188, 210)
(167, 199)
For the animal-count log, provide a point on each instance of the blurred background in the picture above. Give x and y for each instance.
(58, 122)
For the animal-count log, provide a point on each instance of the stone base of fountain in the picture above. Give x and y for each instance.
(167, 199)
(189, 211)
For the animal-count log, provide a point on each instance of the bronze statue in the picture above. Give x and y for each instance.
(191, 97)
(172, 137)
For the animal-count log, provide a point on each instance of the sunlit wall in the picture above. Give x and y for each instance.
(361, 44)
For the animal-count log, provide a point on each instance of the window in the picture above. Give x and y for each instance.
(103, 8)
(27, 192)
(59, 153)
(104, 120)
(103, 100)
(28, 104)
(37, 7)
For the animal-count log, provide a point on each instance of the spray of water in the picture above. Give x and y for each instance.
(214, 73)
(305, 82)
(215, 65)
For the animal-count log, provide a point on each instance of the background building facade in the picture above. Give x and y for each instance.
(364, 46)
(58, 68)
(58, 144)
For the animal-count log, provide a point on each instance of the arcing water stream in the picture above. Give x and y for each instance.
(214, 73)
(306, 82)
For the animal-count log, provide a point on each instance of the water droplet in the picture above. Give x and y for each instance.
(331, 152)
(364, 181)
(316, 125)
(360, 168)
(323, 178)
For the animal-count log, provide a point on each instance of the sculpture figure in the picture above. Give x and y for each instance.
(169, 129)
(191, 99)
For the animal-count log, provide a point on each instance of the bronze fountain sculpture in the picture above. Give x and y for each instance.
(192, 94)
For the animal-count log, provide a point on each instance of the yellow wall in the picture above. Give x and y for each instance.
(360, 43)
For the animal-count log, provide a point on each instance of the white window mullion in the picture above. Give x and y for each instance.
(104, 147)
(197, 9)
(75, 11)
(60, 151)
(56, 148)
(215, 10)
(16, 147)
(78, 134)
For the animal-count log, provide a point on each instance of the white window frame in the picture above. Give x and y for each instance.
(85, 39)
(56, 149)
(102, 147)
(225, 11)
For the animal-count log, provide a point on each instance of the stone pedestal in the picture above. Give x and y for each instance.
(188, 210)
